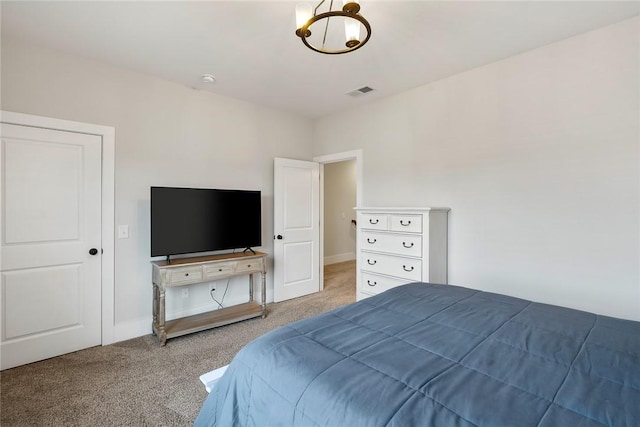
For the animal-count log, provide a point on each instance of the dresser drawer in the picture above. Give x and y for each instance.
(248, 265)
(373, 221)
(211, 272)
(362, 295)
(405, 268)
(184, 275)
(400, 244)
(376, 284)
(406, 223)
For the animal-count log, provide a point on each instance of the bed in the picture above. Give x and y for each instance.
(436, 355)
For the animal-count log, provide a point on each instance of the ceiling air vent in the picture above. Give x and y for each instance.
(361, 91)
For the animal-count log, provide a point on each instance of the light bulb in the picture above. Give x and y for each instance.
(304, 12)
(352, 29)
(351, 26)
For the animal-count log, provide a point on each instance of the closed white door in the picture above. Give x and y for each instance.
(296, 202)
(50, 243)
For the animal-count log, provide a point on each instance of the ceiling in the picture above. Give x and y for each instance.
(251, 48)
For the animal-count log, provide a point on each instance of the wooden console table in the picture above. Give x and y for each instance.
(189, 271)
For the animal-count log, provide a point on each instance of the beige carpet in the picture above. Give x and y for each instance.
(139, 383)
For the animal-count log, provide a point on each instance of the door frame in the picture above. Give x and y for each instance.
(107, 136)
(356, 155)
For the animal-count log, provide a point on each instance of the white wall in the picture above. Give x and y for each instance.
(339, 201)
(166, 134)
(536, 155)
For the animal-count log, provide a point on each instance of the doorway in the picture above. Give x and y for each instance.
(340, 192)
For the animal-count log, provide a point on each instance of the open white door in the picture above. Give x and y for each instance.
(51, 240)
(296, 227)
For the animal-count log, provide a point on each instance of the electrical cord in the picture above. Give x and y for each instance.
(226, 288)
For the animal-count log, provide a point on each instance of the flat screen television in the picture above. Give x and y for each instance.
(189, 220)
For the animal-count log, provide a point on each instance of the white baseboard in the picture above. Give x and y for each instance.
(334, 259)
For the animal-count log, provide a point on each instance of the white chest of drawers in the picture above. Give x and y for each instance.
(400, 245)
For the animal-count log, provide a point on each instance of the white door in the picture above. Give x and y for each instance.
(50, 300)
(296, 200)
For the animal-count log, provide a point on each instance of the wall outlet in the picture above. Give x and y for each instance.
(123, 232)
(185, 292)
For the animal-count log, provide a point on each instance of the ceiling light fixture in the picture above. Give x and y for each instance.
(306, 16)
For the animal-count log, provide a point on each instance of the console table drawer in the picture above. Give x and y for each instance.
(212, 272)
(183, 275)
(245, 266)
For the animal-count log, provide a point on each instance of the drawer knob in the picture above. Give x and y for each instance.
(374, 222)
(371, 241)
(186, 274)
(219, 269)
(371, 263)
(407, 246)
(404, 267)
(249, 266)
(369, 283)
(405, 223)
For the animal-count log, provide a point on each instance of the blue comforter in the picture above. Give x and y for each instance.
(436, 355)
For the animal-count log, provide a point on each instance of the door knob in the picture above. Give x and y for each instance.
(279, 237)
(93, 251)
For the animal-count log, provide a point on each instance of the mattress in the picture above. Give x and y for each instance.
(436, 355)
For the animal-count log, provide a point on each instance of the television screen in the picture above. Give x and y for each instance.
(188, 220)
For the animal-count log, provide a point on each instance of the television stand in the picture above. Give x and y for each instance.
(190, 271)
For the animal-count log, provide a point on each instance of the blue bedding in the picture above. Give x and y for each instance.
(436, 355)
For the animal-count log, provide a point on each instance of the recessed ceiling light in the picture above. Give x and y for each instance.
(208, 78)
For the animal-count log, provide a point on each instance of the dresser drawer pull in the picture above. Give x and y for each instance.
(405, 224)
(219, 269)
(371, 241)
(407, 246)
(372, 222)
(371, 263)
(249, 266)
(186, 274)
(404, 267)
(369, 283)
